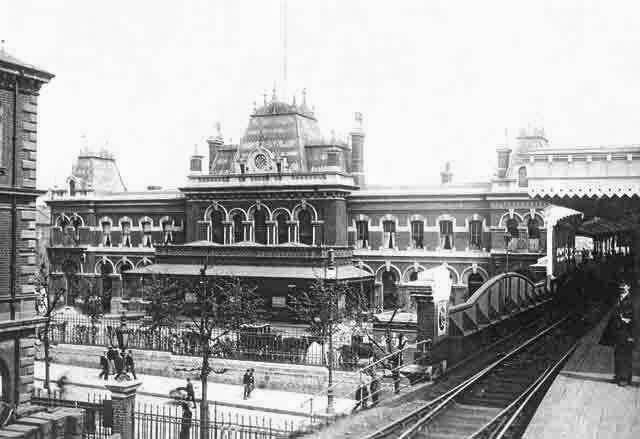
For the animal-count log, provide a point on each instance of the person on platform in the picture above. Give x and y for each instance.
(130, 365)
(104, 365)
(623, 339)
(246, 382)
(62, 385)
(362, 396)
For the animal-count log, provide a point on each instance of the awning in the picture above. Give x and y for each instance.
(345, 272)
(578, 188)
(552, 214)
(602, 226)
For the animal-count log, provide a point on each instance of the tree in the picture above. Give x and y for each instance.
(324, 306)
(89, 300)
(47, 303)
(216, 307)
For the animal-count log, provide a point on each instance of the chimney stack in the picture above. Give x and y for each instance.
(446, 175)
(504, 155)
(357, 151)
(215, 143)
(195, 162)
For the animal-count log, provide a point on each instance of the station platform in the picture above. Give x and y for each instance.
(584, 402)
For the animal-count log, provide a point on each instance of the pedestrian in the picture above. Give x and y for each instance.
(191, 394)
(362, 395)
(623, 347)
(62, 385)
(111, 356)
(246, 382)
(119, 364)
(186, 421)
(129, 364)
(104, 365)
(252, 381)
(375, 389)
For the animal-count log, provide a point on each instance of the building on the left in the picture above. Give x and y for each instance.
(20, 85)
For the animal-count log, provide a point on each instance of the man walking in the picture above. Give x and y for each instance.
(191, 394)
(104, 365)
(129, 365)
(186, 421)
(252, 381)
(623, 347)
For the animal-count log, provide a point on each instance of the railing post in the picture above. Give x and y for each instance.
(123, 397)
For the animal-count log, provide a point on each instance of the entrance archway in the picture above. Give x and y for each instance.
(390, 289)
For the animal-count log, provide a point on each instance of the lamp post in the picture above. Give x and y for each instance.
(327, 316)
(507, 240)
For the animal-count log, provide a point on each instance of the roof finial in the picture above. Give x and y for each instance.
(219, 130)
(273, 96)
(506, 137)
(84, 142)
(264, 95)
(2, 46)
(294, 100)
(304, 96)
(255, 107)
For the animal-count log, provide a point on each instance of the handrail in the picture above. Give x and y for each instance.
(462, 387)
(486, 287)
(360, 371)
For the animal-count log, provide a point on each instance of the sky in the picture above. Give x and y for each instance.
(435, 80)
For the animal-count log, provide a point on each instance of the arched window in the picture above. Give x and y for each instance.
(388, 234)
(76, 222)
(522, 177)
(72, 187)
(305, 230)
(260, 226)
(106, 233)
(283, 228)
(167, 231)
(125, 266)
(147, 240)
(475, 235)
(126, 233)
(217, 228)
(512, 227)
(446, 235)
(106, 270)
(417, 234)
(238, 228)
(390, 289)
(533, 231)
(413, 275)
(362, 232)
(474, 282)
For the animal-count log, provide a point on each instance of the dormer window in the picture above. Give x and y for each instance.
(126, 233)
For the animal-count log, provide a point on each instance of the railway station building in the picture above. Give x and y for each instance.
(269, 207)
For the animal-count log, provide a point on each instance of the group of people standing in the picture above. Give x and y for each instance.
(118, 363)
(248, 382)
(366, 390)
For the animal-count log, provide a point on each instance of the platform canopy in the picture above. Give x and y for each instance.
(553, 214)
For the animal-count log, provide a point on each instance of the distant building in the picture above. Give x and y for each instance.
(267, 208)
(20, 84)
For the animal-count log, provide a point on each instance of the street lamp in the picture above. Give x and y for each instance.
(507, 240)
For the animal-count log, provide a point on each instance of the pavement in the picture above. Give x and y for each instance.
(583, 402)
(228, 398)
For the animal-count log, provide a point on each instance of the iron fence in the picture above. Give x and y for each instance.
(291, 345)
(96, 424)
(155, 422)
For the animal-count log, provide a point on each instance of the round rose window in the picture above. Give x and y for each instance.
(260, 161)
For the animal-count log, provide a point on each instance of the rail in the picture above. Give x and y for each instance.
(434, 407)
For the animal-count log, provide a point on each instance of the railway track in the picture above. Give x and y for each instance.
(495, 402)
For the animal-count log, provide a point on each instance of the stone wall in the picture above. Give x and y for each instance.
(276, 376)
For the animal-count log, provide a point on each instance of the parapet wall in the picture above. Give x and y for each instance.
(275, 376)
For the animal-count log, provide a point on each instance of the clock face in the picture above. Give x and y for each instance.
(260, 161)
